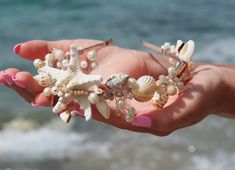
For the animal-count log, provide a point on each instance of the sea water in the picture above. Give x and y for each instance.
(91, 145)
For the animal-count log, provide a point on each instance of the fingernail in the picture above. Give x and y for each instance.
(18, 82)
(7, 78)
(35, 104)
(17, 48)
(142, 121)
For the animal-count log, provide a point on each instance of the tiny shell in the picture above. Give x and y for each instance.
(187, 51)
(160, 99)
(145, 89)
(118, 81)
(103, 107)
(44, 79)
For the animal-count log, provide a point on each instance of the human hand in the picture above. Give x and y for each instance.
(191, 106)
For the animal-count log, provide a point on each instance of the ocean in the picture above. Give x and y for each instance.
(35, 139)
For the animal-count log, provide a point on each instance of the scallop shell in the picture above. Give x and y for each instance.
(145, 89)
(117, 81)
(187, 51)
(160, 99)
(44, 79)
(103, 107)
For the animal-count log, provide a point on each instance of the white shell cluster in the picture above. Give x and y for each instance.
(65, 75)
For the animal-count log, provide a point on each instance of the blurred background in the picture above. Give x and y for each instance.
(35, 139)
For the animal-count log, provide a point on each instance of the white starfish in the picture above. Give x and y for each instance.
(73, 79)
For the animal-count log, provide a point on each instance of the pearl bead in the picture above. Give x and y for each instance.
(38, 63)
(83, 64)
(49, 56)
(171, 71)
(54, 90)
(129, 118)
(93, 98)
(171, 90)
(162, 78)
(132, 83)
(47, 91)
(60, 94)
(131, 111)
(59, 54)
(120, 104)
(91, 55)
(93, 65)
(180, 85)
(65, 63)
(167, 45)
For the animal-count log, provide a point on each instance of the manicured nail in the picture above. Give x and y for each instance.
(17, 48)
(142, 121)
(35, 104)
(7, 78)
(18, 82)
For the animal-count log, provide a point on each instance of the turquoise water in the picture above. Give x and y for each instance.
(209, 145)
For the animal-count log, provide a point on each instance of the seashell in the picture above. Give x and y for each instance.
(84, 105)
(44, 79)
(103, 107)
(66, 116)
(145, 89)
(187, 51)
(159, 99)
(117, 81)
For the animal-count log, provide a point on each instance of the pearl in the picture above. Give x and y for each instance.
(131, 111)
(129, 118)
(47, 91)
(54, 90)
(93, 98)
(59, 54)
(180, 85)
(93, 65)
(65, 63)
(132, 83)
(83, 64)
(171, 71)
(38, 63)
(91, 55)
(162, 78)
(167, 45)
(171, 90)
(60, 94)
(49, 56)
(120, 104)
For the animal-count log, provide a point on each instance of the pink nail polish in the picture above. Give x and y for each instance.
(35, 104)
(18, 82)
(7, 78)
(142, 121)
(17, 48)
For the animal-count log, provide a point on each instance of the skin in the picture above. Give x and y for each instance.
(210, 90)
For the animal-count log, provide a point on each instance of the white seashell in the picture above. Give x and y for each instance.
(118, 80)
(178, 45)
(103, 107)
(66, 116)
(187, 51)
(159, 99)
(145, 89)
(44, 79)
(59, 107)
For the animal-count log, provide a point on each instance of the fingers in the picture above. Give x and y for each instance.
(26, 80)
(39, 48)
(6, 79)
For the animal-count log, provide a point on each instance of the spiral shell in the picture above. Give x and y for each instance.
(145, 88)
(117, 81)
(159, 99)
(44, 79)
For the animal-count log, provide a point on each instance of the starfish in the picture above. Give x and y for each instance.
(72, 79)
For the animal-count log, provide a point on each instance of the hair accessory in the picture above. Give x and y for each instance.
(66, 76)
